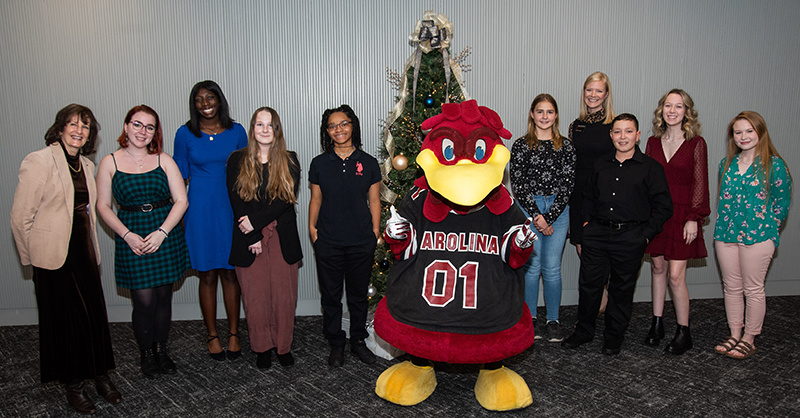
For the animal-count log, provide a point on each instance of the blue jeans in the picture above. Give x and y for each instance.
(546, 261)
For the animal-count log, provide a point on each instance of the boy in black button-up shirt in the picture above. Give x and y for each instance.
(626, 202)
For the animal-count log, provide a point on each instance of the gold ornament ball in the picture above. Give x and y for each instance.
(400, 162)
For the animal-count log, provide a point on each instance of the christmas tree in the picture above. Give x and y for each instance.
(430, 77)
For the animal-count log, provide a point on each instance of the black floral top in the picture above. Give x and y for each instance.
(543, 171)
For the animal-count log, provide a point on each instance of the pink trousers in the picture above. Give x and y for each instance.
(744, 269)
(269, 295)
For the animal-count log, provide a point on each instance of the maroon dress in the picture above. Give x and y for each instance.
(687, 175)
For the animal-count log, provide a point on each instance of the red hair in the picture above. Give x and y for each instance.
(156, 145)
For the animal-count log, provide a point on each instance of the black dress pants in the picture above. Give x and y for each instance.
(344, 268)
(612, 256)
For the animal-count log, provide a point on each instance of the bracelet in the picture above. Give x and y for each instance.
(126, 234)
(163, 231)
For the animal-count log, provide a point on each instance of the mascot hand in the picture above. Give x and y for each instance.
(525, 236)
(396, 226)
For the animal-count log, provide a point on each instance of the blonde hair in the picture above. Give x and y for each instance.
(531, 139)
(280, 184)
(608, 103)
(690, 125)
(764, 149)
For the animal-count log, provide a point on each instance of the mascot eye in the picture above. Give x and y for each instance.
(480, 149)
(448, 151)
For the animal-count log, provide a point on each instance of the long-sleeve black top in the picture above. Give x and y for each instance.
(635, 190)
(262, 213)
(543, 171)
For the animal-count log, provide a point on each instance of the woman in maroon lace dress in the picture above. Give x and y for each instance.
(676, 144)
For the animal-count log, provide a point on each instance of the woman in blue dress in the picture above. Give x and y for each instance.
(150, 251)
(202, 147)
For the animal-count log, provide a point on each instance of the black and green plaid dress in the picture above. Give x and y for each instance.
(164, 266)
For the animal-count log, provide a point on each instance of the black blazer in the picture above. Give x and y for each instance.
(262, 213)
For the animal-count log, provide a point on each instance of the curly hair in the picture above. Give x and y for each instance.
(608, 103)
(690, 125)
(531, 139)
(64, 116)
(325, 138)
(280, 184)
(157, 143)
(194, 115)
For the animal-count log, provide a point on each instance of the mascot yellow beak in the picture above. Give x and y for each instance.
(465, 183)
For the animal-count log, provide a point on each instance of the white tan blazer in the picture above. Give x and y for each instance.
(41, 216)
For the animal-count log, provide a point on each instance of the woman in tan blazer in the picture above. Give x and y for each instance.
(53, 221)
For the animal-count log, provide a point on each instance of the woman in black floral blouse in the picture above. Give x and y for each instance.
(542, 177)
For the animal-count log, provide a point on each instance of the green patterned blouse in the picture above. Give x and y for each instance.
(748, 212)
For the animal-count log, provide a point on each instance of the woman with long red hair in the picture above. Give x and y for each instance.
(754, 197)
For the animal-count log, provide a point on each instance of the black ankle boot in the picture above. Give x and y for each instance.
(264, 360)
(656, 332)
(681, 342)
(165, 364)
(149, 366)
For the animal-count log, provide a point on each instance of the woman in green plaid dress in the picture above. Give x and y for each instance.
(150, 252)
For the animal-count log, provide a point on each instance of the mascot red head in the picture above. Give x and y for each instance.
(455, 293)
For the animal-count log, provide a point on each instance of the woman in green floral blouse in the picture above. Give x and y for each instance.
(754, 197)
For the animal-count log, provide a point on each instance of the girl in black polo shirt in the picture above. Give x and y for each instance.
(344, 222)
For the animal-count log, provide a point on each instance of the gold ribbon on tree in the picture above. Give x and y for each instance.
(433, 31)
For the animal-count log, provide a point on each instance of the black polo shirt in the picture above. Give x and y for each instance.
(635, 190)
(344, 217)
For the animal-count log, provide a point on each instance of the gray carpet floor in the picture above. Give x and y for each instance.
(640, 382)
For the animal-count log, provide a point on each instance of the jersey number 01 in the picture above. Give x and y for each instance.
(444, 270)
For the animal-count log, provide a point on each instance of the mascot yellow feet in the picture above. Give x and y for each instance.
(406, 384)
(502, 390)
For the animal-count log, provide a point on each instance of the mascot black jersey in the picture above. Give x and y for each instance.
(454, 274)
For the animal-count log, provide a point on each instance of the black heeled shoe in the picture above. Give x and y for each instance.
(656, 333)
(681, 342)
(233, 355)
(216, 356)
(165, 363)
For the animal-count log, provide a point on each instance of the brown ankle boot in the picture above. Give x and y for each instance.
(77, 398)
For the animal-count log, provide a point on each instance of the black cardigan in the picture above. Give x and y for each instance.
(261, 214)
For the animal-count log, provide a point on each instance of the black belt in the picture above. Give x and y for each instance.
(147, 207)
(617, 225)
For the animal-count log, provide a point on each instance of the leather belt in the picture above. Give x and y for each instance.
(147, 207)
(617, 225)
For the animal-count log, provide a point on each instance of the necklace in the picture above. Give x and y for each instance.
(211, 132)
(139, 161)
(75, 170)
(345, 154)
